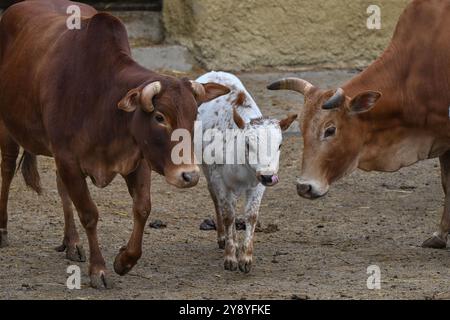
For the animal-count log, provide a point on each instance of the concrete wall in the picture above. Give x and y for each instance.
(237, 34)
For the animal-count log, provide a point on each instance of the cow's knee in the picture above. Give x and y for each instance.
(143, 209)
(89, 219)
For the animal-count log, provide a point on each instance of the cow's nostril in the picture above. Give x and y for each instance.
(303, 188)
(190, 177)
(187, 176)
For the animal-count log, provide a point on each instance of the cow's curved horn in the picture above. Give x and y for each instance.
(335, 101)
(198, 88)
(147, 95)
(294, 84)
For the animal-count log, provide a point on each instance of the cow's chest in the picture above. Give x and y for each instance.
(102, 171)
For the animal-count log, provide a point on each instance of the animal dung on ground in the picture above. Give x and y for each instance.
(271, 228)
(207, 225)
(300, 297)
(157, 224)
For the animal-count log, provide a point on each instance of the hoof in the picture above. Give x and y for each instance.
(230, 264)
(435, 242)
(221, 243)
(120, 267)
(73, 252)
(245, 265)
(3, 238)
(101, 281)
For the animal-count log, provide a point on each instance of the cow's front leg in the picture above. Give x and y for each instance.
(254, 197)
(138, 184)
(228, 206)
(71, 241)
(78, 191)
(439, 238)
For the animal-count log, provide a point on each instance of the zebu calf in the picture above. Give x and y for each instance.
(228, 181)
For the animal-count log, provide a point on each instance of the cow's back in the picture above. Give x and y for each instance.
(219, 113)
(413, 73)
(49, 75)
(35, 18)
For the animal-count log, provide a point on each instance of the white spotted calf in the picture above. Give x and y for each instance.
(228, 181)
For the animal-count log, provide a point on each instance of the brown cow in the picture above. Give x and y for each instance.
(78, 96)
(392, 115)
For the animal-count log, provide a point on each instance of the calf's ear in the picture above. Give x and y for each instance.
(238, 119)
(364, 101)
(286, 122)
(208, 91)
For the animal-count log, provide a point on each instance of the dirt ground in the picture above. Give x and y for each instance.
(321, 251)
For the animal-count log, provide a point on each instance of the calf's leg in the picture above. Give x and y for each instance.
(439, 238)
(219, 224)
(10, 151)
(74, 251)
(254, 197)
(77, 189)
(138, 184)
(214, 192)
(228, 206)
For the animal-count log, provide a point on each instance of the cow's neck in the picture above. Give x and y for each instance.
(116, 150)
(393, 137)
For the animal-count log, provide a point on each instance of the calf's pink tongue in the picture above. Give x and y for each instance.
(274, 179)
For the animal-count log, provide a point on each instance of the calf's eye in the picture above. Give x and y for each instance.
(329, 132)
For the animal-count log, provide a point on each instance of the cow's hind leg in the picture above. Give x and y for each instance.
(77, 189)
(254, 197)
(439, 238)
(10, 152)
(74, 251)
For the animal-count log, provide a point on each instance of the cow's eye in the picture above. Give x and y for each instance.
(329, 132)
(159, 118)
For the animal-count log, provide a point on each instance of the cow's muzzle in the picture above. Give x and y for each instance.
(183, 177)
(310, 189)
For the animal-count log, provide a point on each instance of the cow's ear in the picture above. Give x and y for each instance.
(286, 122)
(131, 101)
(209, 91)
(364, 101)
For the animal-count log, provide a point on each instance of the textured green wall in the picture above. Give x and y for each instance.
(237, 34)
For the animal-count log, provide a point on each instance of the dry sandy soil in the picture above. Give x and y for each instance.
(321, 251)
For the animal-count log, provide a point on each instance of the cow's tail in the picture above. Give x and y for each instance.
(30, 173)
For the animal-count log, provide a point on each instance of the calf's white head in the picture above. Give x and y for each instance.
(263, 139)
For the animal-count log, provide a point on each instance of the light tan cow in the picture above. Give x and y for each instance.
(390, 116)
